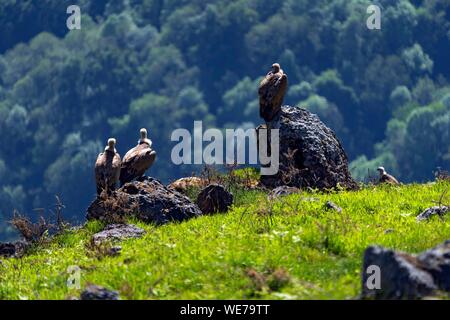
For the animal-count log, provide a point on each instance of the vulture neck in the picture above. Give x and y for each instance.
(146, 140)
(113, 150)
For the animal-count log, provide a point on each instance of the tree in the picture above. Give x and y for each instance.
(417, 60)
(400, 96)
(240, 103)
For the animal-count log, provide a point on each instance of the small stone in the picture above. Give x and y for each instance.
(94, 292)
(114, 251)
(184, 184)
(118, 232)
(281, 191)
(436, 210)
(214, 198)
(332, 206)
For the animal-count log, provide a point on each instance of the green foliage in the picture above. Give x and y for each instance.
(400, 96)
(418, 61)
(328, 112)
(240, 102)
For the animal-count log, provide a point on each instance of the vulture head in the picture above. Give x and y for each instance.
(381, 170)
(144, 138)
(276, 68)
(111, 145)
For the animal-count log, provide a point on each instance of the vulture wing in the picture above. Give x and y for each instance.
(271, 93)
(387, 178)
(136, 162)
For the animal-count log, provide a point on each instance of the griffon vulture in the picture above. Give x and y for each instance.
(137, 160)
(385, 177)
(107, 168)
(272, 89)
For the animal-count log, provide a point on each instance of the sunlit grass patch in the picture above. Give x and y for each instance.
(297, 248)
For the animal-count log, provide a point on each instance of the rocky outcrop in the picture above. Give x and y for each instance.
(147, 200)
(404, 276)
(214, 198)
(93, 292)
(310, 153)
(114, 232)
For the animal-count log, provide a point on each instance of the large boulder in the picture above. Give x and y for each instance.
(310, 154)
(400, 277)
(436, 261)
(405, 276)
(147, 200)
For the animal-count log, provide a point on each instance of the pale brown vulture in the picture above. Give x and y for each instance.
(107, 168)
(385, 177)
(272, 89)
(137, 160)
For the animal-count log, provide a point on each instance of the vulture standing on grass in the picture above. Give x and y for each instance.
(385, 177)
(272, 89)
(107, 168)
(137, 160)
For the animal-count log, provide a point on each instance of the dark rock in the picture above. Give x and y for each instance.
(436, 210)
(93, 292)
(16, 249)
(281, 191)
(7, 250)
(329, 205)
(437, 262)
(147, 200)
(118, 232)
(214, 198)
(401, 277)
(114, 251)
(310, 153)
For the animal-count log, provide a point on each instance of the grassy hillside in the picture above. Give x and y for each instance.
(289, 248)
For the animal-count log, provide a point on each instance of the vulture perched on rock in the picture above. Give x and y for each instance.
(385, 177)
(107, 168)
(137, 160)
(272, 89)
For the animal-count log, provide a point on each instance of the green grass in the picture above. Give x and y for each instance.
(318, 252)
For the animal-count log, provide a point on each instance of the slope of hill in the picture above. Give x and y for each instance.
(288, 248)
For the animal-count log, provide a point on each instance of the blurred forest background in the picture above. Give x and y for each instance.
(161, 64)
